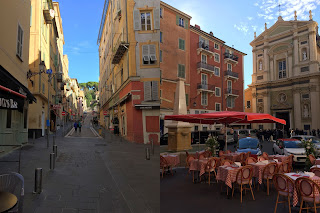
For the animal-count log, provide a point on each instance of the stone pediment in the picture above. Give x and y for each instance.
(280, 29)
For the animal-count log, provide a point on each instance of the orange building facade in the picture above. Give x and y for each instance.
(174, 57)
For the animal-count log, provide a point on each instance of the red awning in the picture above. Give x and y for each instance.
(226, 117)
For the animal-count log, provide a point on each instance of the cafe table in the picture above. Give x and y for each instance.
(233, 156)
(171, 159)
(317, 161)
(280, 158)
(7, 201)
(294, 177)
(258, 169)
(228, 174)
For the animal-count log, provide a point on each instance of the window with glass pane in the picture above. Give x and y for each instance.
(217, 91)
(216, 57)
(161, 37)
(282, 69)
(216, 71)
(229, 102)
(218, 105)
(181, 44)
(181, 71)
(181, 22)
(204, 59)
(229, 67)
(146, 21)
(204, 98)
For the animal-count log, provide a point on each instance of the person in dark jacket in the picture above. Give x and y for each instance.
(75, 125)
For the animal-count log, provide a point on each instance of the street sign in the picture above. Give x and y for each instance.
(63, 113)
(49, 71)
(56, 106)
(105, 112)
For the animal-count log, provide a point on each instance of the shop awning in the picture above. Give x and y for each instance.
(12, 92)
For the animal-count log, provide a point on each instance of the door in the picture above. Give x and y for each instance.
(204, 81)
(285, 116)
(42, 124)
(229, 86)
(204, 59)
(229, 66)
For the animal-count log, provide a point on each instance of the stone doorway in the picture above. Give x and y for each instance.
(285, 116)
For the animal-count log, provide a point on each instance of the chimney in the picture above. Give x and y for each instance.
(197, 26)
(211, 33)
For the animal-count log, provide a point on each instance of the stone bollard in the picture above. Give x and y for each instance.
(37, 181)
(54, 140)
(147, 154)
(52, 161)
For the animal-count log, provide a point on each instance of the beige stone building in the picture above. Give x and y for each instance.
(286, 75)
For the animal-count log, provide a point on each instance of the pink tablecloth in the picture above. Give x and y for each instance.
(232, 156)
(198, 165)
(172, 160)
(317, 161)
(294, 177)
(258, 170)
(227, 174)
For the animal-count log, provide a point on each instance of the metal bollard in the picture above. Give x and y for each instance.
(152, 147)
(52, 161)
(55, 150)
(37, 181)
(147, 154)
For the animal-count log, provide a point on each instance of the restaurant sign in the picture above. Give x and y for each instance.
(11, 102)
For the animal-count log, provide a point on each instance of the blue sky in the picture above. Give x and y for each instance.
(81, 22)
(235, 21)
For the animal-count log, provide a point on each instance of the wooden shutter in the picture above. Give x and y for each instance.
(183, 44)
(145, 53)
(186, 23)
(177, 20)
(152, 52)
(136, 20)
(155, 90)
(183, 71)
(147, 91)
(156, 19)
(187, 99)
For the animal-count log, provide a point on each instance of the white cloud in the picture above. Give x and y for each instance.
(250, 18)
(268, 9)
(242, 27)
(254, 28)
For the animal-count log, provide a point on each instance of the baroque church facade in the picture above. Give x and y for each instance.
(286, 75)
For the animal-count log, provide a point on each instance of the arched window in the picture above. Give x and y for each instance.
(260, 65)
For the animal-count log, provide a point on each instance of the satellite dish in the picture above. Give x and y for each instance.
(51, 13)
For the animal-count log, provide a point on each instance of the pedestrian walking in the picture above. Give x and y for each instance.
(79, 125)
(75, 125)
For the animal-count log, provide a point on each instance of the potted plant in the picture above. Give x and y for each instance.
(310, 148)
(212, 144)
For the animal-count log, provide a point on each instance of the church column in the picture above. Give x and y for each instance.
(312, 44)
(296, 54)
(266, 61)
(289, 66)
(254, 105)
(297, 109)
(267, 106)
(271, 69)
(254, 73)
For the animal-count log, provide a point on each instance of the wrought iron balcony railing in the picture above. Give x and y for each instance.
(202, 65)
(229, 73)
(231, 56)
(229, 91)
(208, 87)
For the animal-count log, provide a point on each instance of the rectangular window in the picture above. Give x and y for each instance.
(229, 66)
(282, 69)
(204, 128)
(145, 18)
(229, 86)
(230, 102)
(204, 58)
(149, 54)
(161, 11)
(260, 100)
(160, 76)
(216, 46)
(216, 57)
(204, 81)
(218, 107)
(161, 37)
(217, 71)
(248, 104)
(305, 96)
(181, 22)
(218, 91)
(160, 55)
(181, 71)
(196, 128)
(204, 99)
(19, 42)
(196, 112)
(181, 44)
(9, 117)
(304, 42)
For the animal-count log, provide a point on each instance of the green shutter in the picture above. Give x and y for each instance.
(177, 19)
(187, 97)
(183, 71)
(183, 44)
(179, 43)
(186, 24)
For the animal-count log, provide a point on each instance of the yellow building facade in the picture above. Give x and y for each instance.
(129, 69)
(15, 98)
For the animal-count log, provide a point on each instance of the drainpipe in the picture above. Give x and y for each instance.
(126, 2)
(222, 78)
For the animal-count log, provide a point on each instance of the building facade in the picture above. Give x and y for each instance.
(15, 98)
(129, 69)
(174, 58)
(285, 80)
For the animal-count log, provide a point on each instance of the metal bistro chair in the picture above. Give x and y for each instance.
(244, 177)
(164, 165)
(312, 159)
(221, 153)
(307, 188)
(284, 167)
(211, 167)
(13, 183)
(285, 186)
(316, 171)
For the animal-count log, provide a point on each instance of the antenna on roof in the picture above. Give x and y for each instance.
(279, 8)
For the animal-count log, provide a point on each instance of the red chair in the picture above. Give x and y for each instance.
(285, 186)
(242, 157)
(250, 160)
(312, 159)
(268, 172)
(316, 171)
(248, 154)
(244, 177)
(188, 160)
(211, 167)
(307, 188)
(164, 165)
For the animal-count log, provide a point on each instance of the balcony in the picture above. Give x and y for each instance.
(231, 92)
(205, 48)
(203, 67)
(206, 88)
(230, 58)
(119, 49)
(231, 75)
(48, 12)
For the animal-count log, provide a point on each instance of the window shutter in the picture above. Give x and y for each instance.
(186, 24)
(179, 70)
(157, 19)
(145, 52)
(147, 91)
(136, 19)
(183, 44)
(187, 97)
(155, 93)
(152, 52)
(183, 71)
(177, 20)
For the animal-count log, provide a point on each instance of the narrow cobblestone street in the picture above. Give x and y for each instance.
(92, 174)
